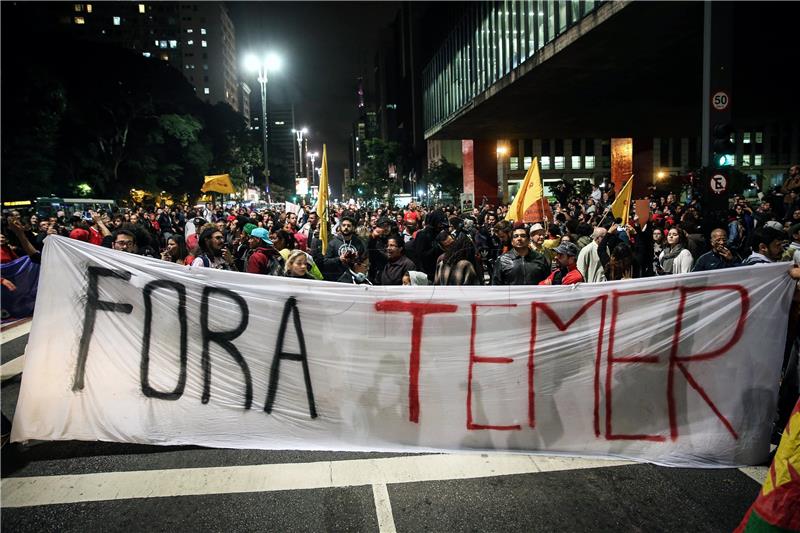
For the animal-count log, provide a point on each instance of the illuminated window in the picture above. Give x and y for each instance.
(162, 44)
(513, 163)
(78, 8)
(759, 137)
(156, 42)
(545, 162)
(202, 31)
(559, 162)
(189, 30)
(279, 123)
(88, 8)
(759, 160)
(206, 91)
(173, 44)
(79, 20)
(117, 21)
(746, 160)
(746, 137)
(146, 54)
(576, 161)
(588, 161)
(527, 162)
(165, 57)
(203, 44)
(141, 8)
(190, 42)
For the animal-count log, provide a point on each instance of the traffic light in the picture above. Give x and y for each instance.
(724, 148)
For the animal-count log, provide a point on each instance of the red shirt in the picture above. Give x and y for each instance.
(573, 276)
(411, 216)
(95, 237)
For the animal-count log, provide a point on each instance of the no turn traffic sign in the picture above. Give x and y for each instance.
(720, 100)
(719, 184)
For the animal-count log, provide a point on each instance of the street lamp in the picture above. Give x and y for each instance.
(262, 67)
(313, 156)
(298, 157)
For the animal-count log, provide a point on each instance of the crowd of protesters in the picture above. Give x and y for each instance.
(446, 245)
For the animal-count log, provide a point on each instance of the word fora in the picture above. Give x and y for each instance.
(418, 311)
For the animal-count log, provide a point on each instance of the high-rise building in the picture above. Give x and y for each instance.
(197, 38)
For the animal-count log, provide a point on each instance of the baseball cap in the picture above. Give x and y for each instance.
(774, 224)
(567, 248)
(79, 234)
(537, 227)
(263, 234)
(248, 228)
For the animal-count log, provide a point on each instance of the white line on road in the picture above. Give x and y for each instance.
(12, 368)
(49, 490)
(383, 508)
(15, 332)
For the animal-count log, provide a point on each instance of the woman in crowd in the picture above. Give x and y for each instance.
(176, 251)
(675, 258)
(457, 264)
(297, 265)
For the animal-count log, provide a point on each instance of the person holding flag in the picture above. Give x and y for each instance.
(529, 204)
(322, 201)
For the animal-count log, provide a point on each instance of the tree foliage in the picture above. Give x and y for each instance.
(374, 178)
(445, 178)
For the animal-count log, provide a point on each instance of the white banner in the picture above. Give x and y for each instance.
(678, 370)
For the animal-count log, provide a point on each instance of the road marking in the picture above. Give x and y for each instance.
(383, 508)
(12, 368)
(15, 332)
(758, 473)
(49, 490)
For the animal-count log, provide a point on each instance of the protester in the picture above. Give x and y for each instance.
(457, 265)
(264, 259)
(124, 240)
(766, 246)
(297, 265)
(719, 256)
(176, 251)
(397, 264)
(589, 264)
(213, 253)
(567, 272)
(676, 257)
(522, 265)
(356, 269)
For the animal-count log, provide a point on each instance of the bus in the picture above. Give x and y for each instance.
(50, 205)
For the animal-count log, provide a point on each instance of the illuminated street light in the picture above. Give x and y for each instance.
(262, 67)
(313, 156)
(298, 157)
(502, 150)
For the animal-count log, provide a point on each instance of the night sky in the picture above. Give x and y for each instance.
(325, 47)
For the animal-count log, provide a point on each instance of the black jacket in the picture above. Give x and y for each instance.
(332, 268)
(514, 269)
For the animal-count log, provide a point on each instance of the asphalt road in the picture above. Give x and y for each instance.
(97, 486)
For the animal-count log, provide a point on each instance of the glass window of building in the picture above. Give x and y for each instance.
(545, 162)
(759, 137)
(589, 161)
(190, 42)
(758, 160)
(80, 20)
(527, 160)
(117, 21)
(203, 44)
(88, 8)
(559, 162)
(206, 90)
(173, 44)
(513, 163)
(146, 54)
(576, 161)
(746, 137)
(202, 31)
(141, 8)
(162, 44)
(78, 8)
(746, 160)
(189, 30)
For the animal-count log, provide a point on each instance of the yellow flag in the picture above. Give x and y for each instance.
(322, 200)
(529, 204)
(622, 204)
(218, 183)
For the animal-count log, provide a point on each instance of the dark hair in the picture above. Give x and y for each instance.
(181, 242)
(398, 241)
(461, 249)
(119, 232)
(204, 236)
(288, 238)
(349, 219)
(765, 235)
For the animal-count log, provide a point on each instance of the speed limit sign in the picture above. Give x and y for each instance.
(720, 100)
(719, 184)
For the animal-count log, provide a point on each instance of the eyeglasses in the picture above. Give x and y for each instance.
(123, 243)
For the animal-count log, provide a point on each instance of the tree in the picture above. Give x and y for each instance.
(446, 178)
(374, 176)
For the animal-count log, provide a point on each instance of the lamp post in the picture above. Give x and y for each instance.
(298, 161)
(313, 156)
(262, 67)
